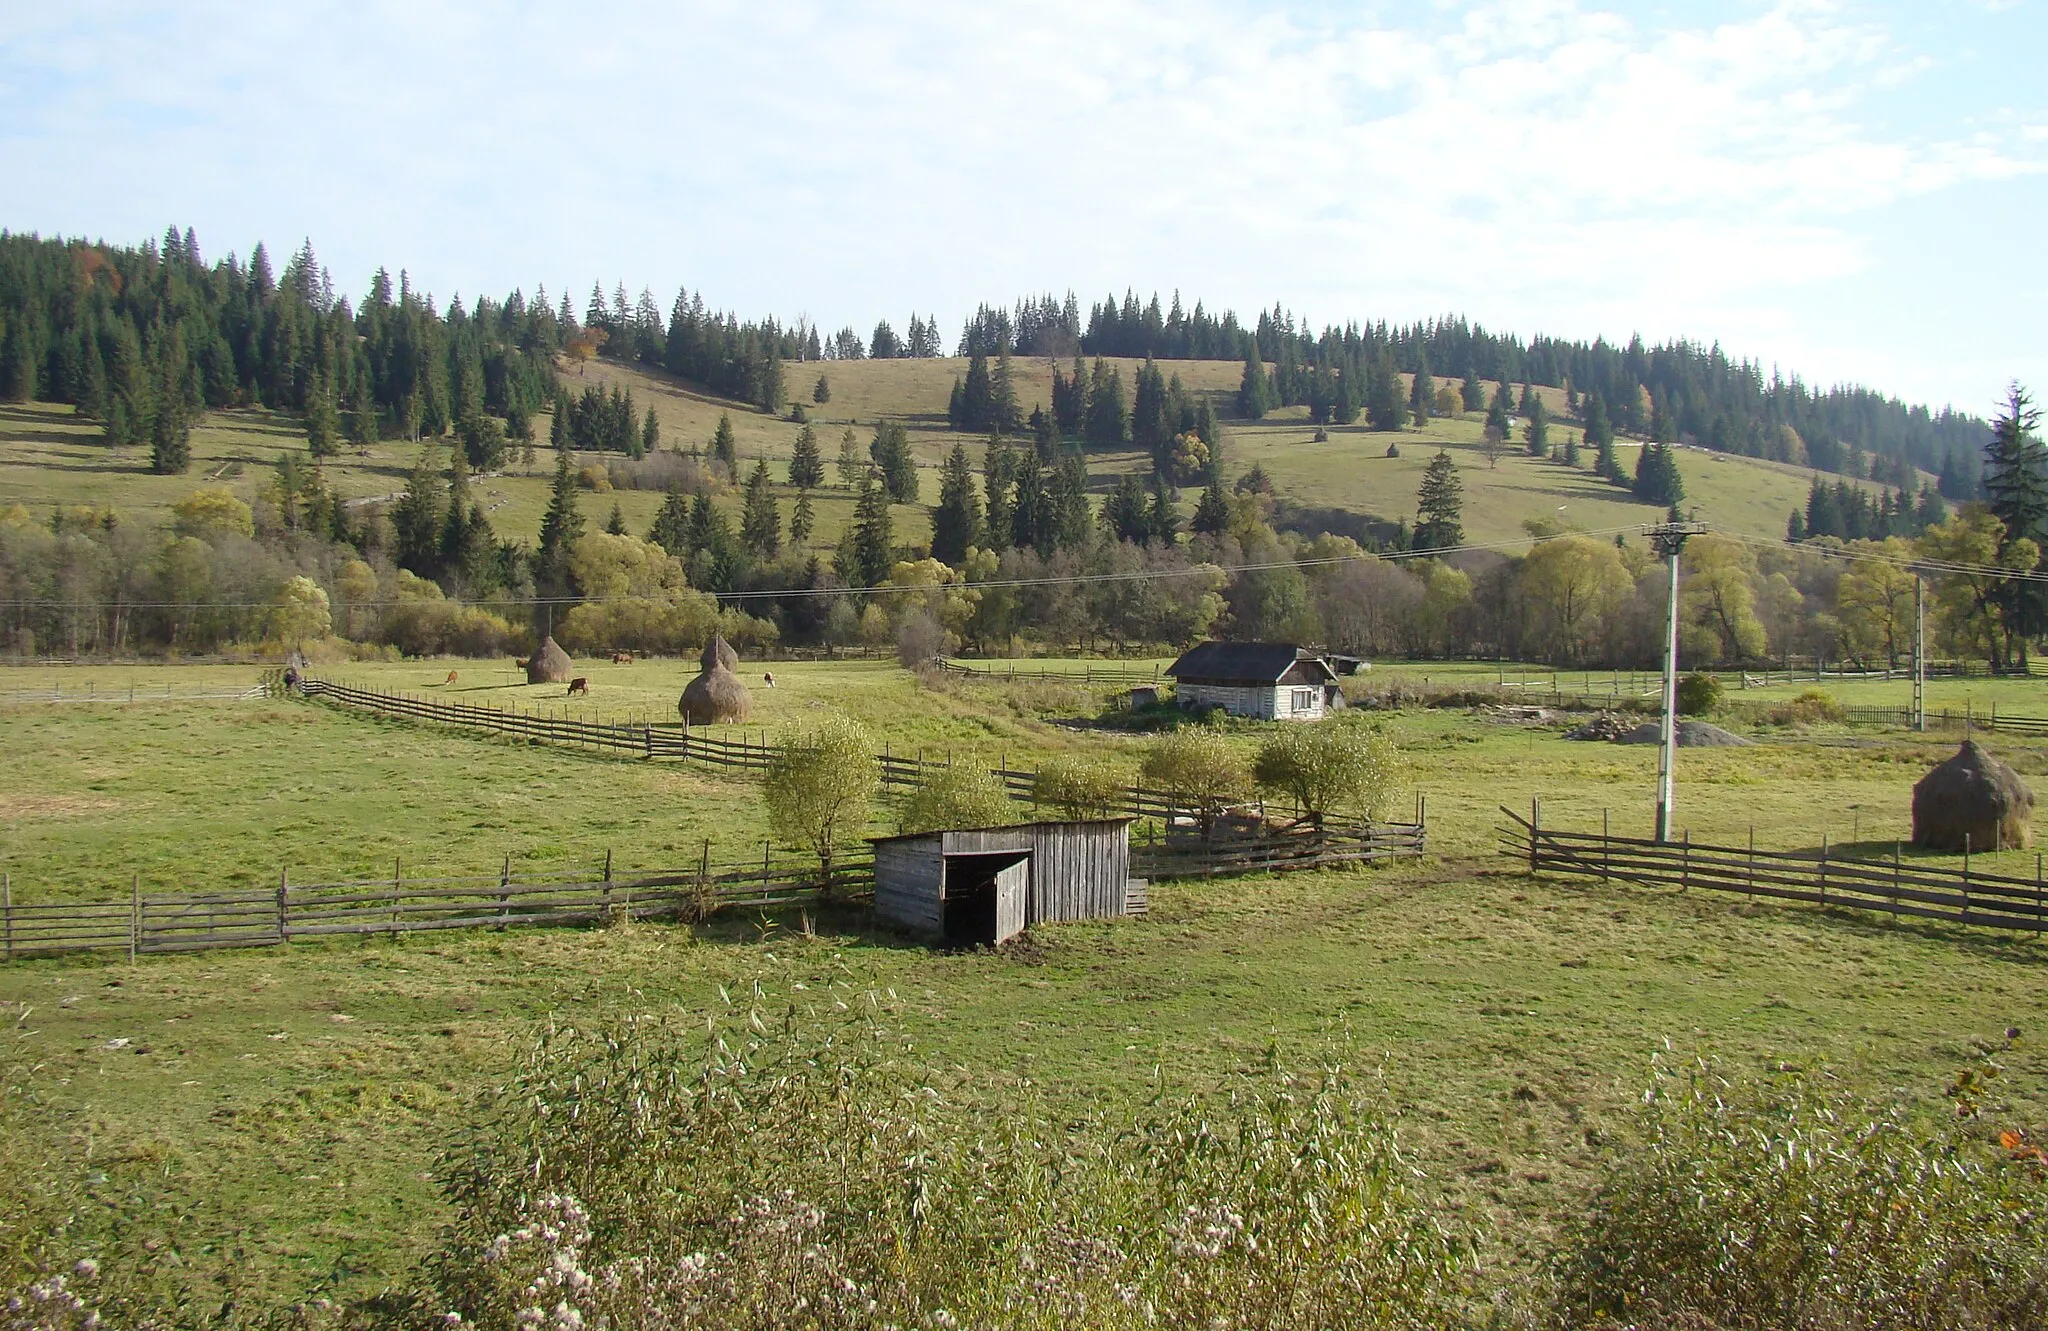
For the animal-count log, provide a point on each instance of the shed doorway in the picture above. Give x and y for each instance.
(982, 898)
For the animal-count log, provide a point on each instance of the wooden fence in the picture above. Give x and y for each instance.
(270, 917)
(130, 693)
(1108, 672)
(1325, 848)
(1888, 887)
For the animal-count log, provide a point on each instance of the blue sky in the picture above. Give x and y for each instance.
(1851, 191)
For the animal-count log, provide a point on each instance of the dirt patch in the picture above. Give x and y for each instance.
(18, 806)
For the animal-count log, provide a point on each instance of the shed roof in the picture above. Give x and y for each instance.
(1006, 827)
(1244, 660)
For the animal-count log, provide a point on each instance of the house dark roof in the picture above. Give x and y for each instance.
(1256, 661)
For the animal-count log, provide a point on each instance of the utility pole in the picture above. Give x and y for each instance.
(1919, 650)
(1669, 539)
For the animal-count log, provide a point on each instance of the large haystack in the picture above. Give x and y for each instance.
(549, 665)
(716, 695)
(1976, 796)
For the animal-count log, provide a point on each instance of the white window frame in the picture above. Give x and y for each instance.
(1304, 700)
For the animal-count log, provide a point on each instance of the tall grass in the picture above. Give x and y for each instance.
(1790, 1203)
(808, 1173)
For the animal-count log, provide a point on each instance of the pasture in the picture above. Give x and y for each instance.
(275, 1119)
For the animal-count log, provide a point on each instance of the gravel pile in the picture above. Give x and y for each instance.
(1606, 726)
(1691, 735)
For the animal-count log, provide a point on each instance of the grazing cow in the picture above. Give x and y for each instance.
(450, 680)
(767, 679)
(622, 658)
(518, 663)
(579, 685)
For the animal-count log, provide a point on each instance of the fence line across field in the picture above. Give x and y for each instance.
(1888, 887)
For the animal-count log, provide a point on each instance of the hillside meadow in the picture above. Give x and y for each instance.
(269, 1125)
(51, 457)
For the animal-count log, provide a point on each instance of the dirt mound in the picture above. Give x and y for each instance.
(1691, 735)
(1606, 726)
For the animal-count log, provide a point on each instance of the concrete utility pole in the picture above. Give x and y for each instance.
(1919, 650)
(1669, 540)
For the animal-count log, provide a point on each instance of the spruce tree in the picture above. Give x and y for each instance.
(671, 527)
(977, 397)
(1526, 403)
(821, 392)
(1254, 393)
(1212, 511)
(956, 521)
(650, 433)
(1422, 394)
(1108, 420)
(560, 528)
(418, 516)
(170, 437)
(2016, 492)
(1440, 505)
(851, 465)
(806, 467)
(1123, 512)
(998, 467)
(802, 520)
(323, 423)
(1004, 414)
(1068, 496)
(871, 549)
(1162, 517)
(890, 451)
(1537, 432)
(760, 521)
(1570, 454)
(1472, 393)
(723, 450)
(615, 525)
(1383, 406)
(1031, 516)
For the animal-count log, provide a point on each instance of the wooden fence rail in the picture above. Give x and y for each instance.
(1089, 673)
(1889, 887)
(277, 916)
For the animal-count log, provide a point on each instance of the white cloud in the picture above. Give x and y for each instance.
(1541, 163)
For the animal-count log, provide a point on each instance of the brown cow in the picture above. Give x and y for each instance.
(518, 663)
(579, 685)
(450, 680)
(622, 658)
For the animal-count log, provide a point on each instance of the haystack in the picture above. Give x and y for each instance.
(716, 695)
(549, 665)
(1976, 796)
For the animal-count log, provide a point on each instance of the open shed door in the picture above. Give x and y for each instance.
(1013, 888)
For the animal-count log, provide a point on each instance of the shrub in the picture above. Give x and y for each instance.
(1077, 788)
(594, 477)
(800, 1174)
(1322, 436)
(1199, 771)
(1791, 1205)
(1331, 767)
(1698, 693)
(818, 786)
(1811, 707)
(949, 797)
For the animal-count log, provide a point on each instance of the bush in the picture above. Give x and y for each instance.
(1330, 767)
(1078, 788)
(819, 784)
(662, 471)
(786, 1172)
(594, 477)
(1811, 707)
(1698, 693)
(1199, 771)
(954, 797)
(1322, 436)
(1791, 1205)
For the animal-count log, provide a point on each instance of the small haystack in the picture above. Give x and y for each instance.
(1976, 796)
(716, 695)
(549, 665)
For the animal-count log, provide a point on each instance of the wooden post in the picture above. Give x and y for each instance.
(1535, 815)
(1966, 875)
(134, 917)
(284, 887)
(765, 850)
(1750, 877)
(1823, 868)
(1606, 848)
(505, 894)
(647, 737)
(607, 883)
(397, 887)
(1895, 882)
(7, 909)
(1685, 863)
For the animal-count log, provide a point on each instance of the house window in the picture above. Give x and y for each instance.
(1304, 700)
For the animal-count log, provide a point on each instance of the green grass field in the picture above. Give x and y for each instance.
(277, 1115)
(49, 457)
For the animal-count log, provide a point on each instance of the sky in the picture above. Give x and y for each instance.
(1853, 192)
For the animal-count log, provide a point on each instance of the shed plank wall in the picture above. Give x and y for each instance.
(1078, 871)
(907, 877)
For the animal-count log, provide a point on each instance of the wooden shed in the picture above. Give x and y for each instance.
(982, 886)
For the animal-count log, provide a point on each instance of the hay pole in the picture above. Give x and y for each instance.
(134, 917)
(397, 886)
(1823, 869)
(284, 884)
(7, 909)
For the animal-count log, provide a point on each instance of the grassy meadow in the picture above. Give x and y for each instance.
(275, 1119)
(50, 457)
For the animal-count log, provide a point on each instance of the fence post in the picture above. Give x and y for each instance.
(607, 883)
(1823, 868)
(7, 908)
(766, 850)
(134, 917)
(647, 738)
(1966, 876)
(1535, 814)
(1750, 876)
(505, 894)
(1685, 863)
(284, 887)
(1606, 848)
(397, 887)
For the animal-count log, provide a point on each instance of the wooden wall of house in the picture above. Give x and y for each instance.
(907, 876)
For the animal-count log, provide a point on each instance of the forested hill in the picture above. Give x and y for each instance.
(142, 337)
